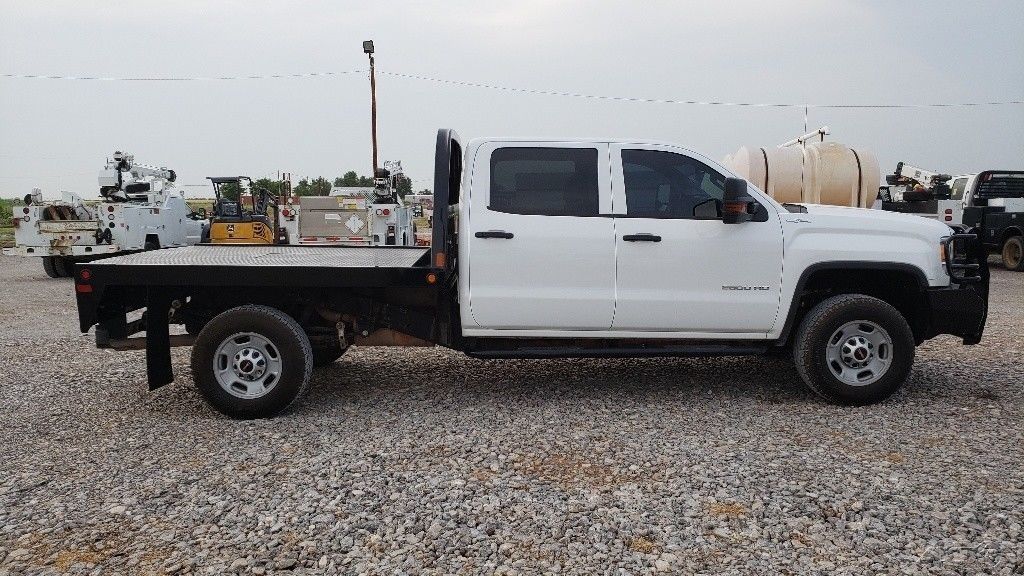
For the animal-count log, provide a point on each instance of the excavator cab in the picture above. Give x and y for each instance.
(240, 212)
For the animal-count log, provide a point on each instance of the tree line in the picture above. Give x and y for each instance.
(319, 186)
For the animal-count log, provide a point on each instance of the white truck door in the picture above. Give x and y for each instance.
(680, 269)
(542, 256)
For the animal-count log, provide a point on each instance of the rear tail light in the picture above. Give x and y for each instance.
(25, 210)
(949, 210)
(110, 208)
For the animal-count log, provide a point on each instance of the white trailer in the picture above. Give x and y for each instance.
(140, 210)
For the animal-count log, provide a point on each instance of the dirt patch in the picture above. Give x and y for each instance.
(727, 510)
(642, 545)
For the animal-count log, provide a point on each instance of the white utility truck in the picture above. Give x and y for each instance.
(140, 210)
(559, 248)
(991, 203)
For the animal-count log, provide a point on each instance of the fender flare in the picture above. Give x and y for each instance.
(805, 276)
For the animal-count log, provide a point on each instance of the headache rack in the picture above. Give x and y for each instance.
(964, 257)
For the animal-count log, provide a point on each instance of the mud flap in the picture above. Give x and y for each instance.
(158, 339)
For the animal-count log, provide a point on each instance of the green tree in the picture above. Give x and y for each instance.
(350, 178)
(403, 186)
(273, 186)
(231, 191)
(318, 186)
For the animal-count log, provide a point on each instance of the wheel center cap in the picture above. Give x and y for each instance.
(856, 352)
(249, 364)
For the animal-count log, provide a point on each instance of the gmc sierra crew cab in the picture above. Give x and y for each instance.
(559, 248)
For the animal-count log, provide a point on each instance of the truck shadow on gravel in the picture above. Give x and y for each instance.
(441, 376)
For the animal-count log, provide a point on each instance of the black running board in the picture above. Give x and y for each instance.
(635, 352)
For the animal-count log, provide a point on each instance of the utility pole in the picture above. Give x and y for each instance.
(368, 49)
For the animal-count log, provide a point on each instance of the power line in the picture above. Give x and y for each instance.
(693, 102)
(519, 90)
(180, 78)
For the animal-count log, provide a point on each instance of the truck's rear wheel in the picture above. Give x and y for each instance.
(252, 362)
(854, 349)
(50, 266)
(1013, 253)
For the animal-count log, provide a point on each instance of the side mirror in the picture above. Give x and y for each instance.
(737, 205)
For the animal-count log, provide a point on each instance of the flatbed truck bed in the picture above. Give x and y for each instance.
(284, 265)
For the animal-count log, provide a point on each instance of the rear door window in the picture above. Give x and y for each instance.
(545, 181)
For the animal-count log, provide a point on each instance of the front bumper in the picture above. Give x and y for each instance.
(958, 310)
(961, 309)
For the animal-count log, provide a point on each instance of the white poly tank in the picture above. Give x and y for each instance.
(817, 173)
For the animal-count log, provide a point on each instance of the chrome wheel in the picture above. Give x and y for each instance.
(247, 365)
(859, 352)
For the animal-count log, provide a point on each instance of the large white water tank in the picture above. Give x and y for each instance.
(817, 173)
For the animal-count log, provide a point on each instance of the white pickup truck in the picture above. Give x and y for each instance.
(560, 248)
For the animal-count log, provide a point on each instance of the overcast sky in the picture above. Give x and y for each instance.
(55, 134)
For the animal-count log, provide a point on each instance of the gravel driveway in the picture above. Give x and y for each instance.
(426, 461)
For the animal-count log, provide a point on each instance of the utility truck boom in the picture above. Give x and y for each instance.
(140, 210)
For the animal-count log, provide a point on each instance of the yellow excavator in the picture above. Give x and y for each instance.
(234, 222)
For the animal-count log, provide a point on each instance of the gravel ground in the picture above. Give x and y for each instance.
(425, 461)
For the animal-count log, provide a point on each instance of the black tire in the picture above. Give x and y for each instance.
(1013, 254)
(151, 245)
(50, 266)
(67, 266)
(326, 345)
(63, 267)
(823, 322)
(287, 340)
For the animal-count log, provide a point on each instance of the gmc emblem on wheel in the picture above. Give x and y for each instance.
(744, 288)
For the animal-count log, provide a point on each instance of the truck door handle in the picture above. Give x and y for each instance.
(642, 237)
(494, 234)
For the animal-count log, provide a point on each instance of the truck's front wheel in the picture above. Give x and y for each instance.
(252, 362)
(1013, 253)
(854, 349)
